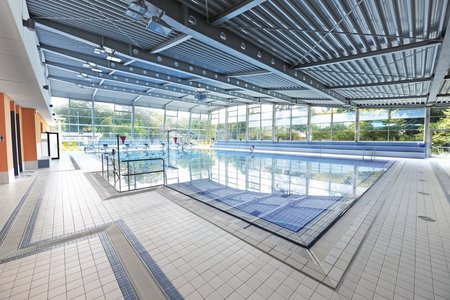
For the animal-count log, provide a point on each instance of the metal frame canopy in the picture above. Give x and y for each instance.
(322, 53)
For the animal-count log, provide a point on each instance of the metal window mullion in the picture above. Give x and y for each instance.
(246, 122)
(290, 123)
(427, 131)
(331, 124)
(357, 125)
(132, 121)
(308, 126)
(389, 125)
(92, 119)
(273, 123)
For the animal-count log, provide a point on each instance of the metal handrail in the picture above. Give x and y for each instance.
(116, 169)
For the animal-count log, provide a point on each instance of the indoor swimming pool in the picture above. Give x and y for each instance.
(295, 197)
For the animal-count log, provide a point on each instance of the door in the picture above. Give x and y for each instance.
(53, 144)
(14, 143)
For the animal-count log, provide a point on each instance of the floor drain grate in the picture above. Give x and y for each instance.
(423, 193)
(428, 219)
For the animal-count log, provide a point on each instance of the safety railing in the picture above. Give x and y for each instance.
(133, 174)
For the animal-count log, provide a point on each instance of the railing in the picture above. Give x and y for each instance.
(124, 174)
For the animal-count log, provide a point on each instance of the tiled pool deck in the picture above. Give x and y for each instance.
(63, 240)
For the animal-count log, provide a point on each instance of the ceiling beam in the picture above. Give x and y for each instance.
(366, 85)
(369, 54)
(300, 88)
(389, 98)
(249, 73)
(129, 81)
(63, 94)
(141, 55)
(442, 65)
(235, 10)
(84, 84)
(142, 73)
(170, 43)
(188, 21)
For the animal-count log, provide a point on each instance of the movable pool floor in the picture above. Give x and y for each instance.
(295, 197)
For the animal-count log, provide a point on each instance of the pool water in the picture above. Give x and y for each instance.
(296, 197)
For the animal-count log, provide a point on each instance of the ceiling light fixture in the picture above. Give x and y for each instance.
(30, 24)
(157, 25)
(136, 10)
(99, 50)
(113, 58)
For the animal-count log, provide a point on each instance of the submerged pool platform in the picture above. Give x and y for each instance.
(295, 197)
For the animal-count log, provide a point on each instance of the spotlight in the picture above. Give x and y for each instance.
(157, 25)
(113, 58)
(53, 114)
(99, 50)
(51, 105)
(30, 24)
(45, 87)
(136, 10)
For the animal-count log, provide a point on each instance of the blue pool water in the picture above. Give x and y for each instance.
(293, 196)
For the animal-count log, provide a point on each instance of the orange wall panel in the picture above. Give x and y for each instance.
(29, 134)
(6, 162)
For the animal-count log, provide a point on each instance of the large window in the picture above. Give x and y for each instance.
(373, 124)
(283, 122)
(343, 128)
(406, 124)
(440, 130)
(402, 124)
(254, 122)
(266, 122)
(251, 122)
(236, 122)
(299, 127)
(321, 123)
(148, 124)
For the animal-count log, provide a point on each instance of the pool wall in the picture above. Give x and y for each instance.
(367, 149)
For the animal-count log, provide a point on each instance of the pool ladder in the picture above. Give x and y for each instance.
(372, 154)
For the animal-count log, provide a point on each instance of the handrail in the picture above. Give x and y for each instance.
(116, 164)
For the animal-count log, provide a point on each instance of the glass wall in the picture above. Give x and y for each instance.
(74, 122)
(290, 123)
(254, 122)
(283, 122)
(440, 131)
(148, 124)
(344, 122)
(399, 124)
(373, 124)
(299, 123)
(249, 122)
(321, 123)
(406, 124)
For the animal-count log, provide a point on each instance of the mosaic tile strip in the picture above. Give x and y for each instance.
(74, 163)
(16, 211)
(159, 275)
(26, 240)
(47, 244)
(124, 282)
